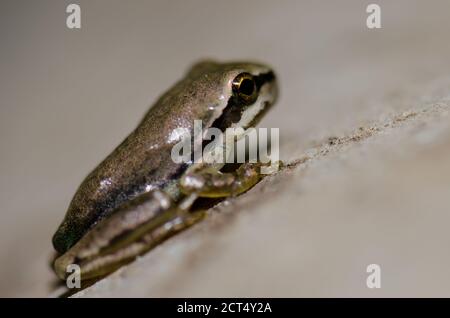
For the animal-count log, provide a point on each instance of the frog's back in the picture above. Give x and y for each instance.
(136, 166)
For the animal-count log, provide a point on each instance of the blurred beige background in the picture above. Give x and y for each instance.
(68, 97)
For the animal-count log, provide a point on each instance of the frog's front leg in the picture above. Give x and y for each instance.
(208, 182)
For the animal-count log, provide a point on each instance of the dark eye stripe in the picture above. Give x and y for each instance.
(234, 110)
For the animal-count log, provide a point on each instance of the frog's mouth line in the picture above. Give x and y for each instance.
(233, 111)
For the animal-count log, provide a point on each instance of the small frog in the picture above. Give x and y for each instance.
(138, 196)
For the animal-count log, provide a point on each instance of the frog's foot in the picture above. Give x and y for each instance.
(209, 183)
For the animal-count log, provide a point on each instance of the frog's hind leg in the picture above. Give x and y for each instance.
(129, 232)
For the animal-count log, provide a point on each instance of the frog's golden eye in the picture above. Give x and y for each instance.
(244, 87)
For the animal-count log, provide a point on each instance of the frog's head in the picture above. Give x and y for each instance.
(243, 92)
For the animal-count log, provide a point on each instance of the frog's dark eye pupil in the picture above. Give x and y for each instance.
(244, 88)
(247, 87)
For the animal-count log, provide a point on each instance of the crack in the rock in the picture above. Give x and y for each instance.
(363, 133)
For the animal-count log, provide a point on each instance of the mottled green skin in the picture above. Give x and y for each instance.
(142, 161)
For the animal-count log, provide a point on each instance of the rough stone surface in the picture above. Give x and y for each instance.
(312, 229)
